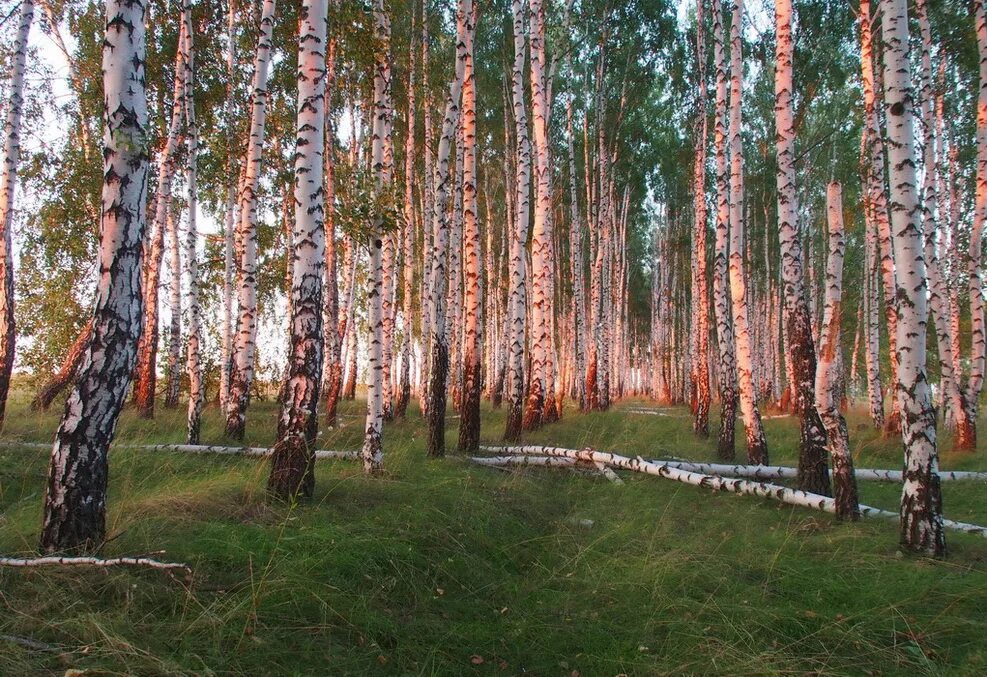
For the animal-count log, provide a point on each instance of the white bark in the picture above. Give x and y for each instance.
(373, 453)
(757, 446)
(721, 283)
(75, 501)
(774, 492)
(921, 500)
(827, 386)
(245, 344)
(292, 461)
(812, 438)
(517, 263)
(8, 185)
(439, 348)
(30, 562)
(193, 360)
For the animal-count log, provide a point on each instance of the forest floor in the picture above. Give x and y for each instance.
(443, 567)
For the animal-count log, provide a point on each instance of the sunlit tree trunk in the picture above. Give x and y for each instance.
(921, 499)
(701, 289)
(293, 457)
(428, 219)
(172, 369)
(966, 433)
(951, 398)
(75, 500)
(813, 471)
(193, 358)
(408, 238)
(469, 422)
(517, 262)
(877, 204)
(721, 284)
(245, 344)
(229, 262)
(147, 354)
(541, 234)
(66, 372)
(8, 184)
(757, 446)
(827, 385)
(373, 453)
(439, 349)
(332, 366)
(872, 302)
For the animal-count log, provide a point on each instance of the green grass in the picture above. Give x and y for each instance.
(441, 564)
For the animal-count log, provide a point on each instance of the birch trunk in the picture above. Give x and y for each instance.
(877, 204)
(408, 241)
(966, 434)
(193, 359)
(541, 234)
(439, 349)
(8, 185)
(146, 373)
(293, 460)
(700, 290)
(469, 423)
(373, 453)
(517, 263)
(949, 385)
(721, 286)
(827, 385)
(66, 373)
(814, 473)
(75, 500)
(332, 366)
(172, 368)
(921, 499)
(245, 344)
(872, 344)
(757, 446)
(226, 332)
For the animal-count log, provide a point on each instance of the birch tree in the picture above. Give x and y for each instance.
(813, 471)
(245, 344)
(193, 358)
(373, 453)
(921, 499)
(966, 433)
(517, 262)
(293, 457)
(757, 446)
(408, 239)
(469, 422)
(541, 233)
(8, 184)
(827, 390)
(75, 498)
(439, 349)
(146, 376)
(701, 288)
(721, 284)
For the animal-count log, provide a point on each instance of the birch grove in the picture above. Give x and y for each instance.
(584, 215)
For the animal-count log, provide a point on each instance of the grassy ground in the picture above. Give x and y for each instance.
(446, 568)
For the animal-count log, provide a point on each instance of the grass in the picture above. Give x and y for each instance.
(445, 568)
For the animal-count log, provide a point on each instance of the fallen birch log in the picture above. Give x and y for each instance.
(92, 561)
(776, 472)
(545, 462)
(199, 449)
(785, 472)
(774, 492)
